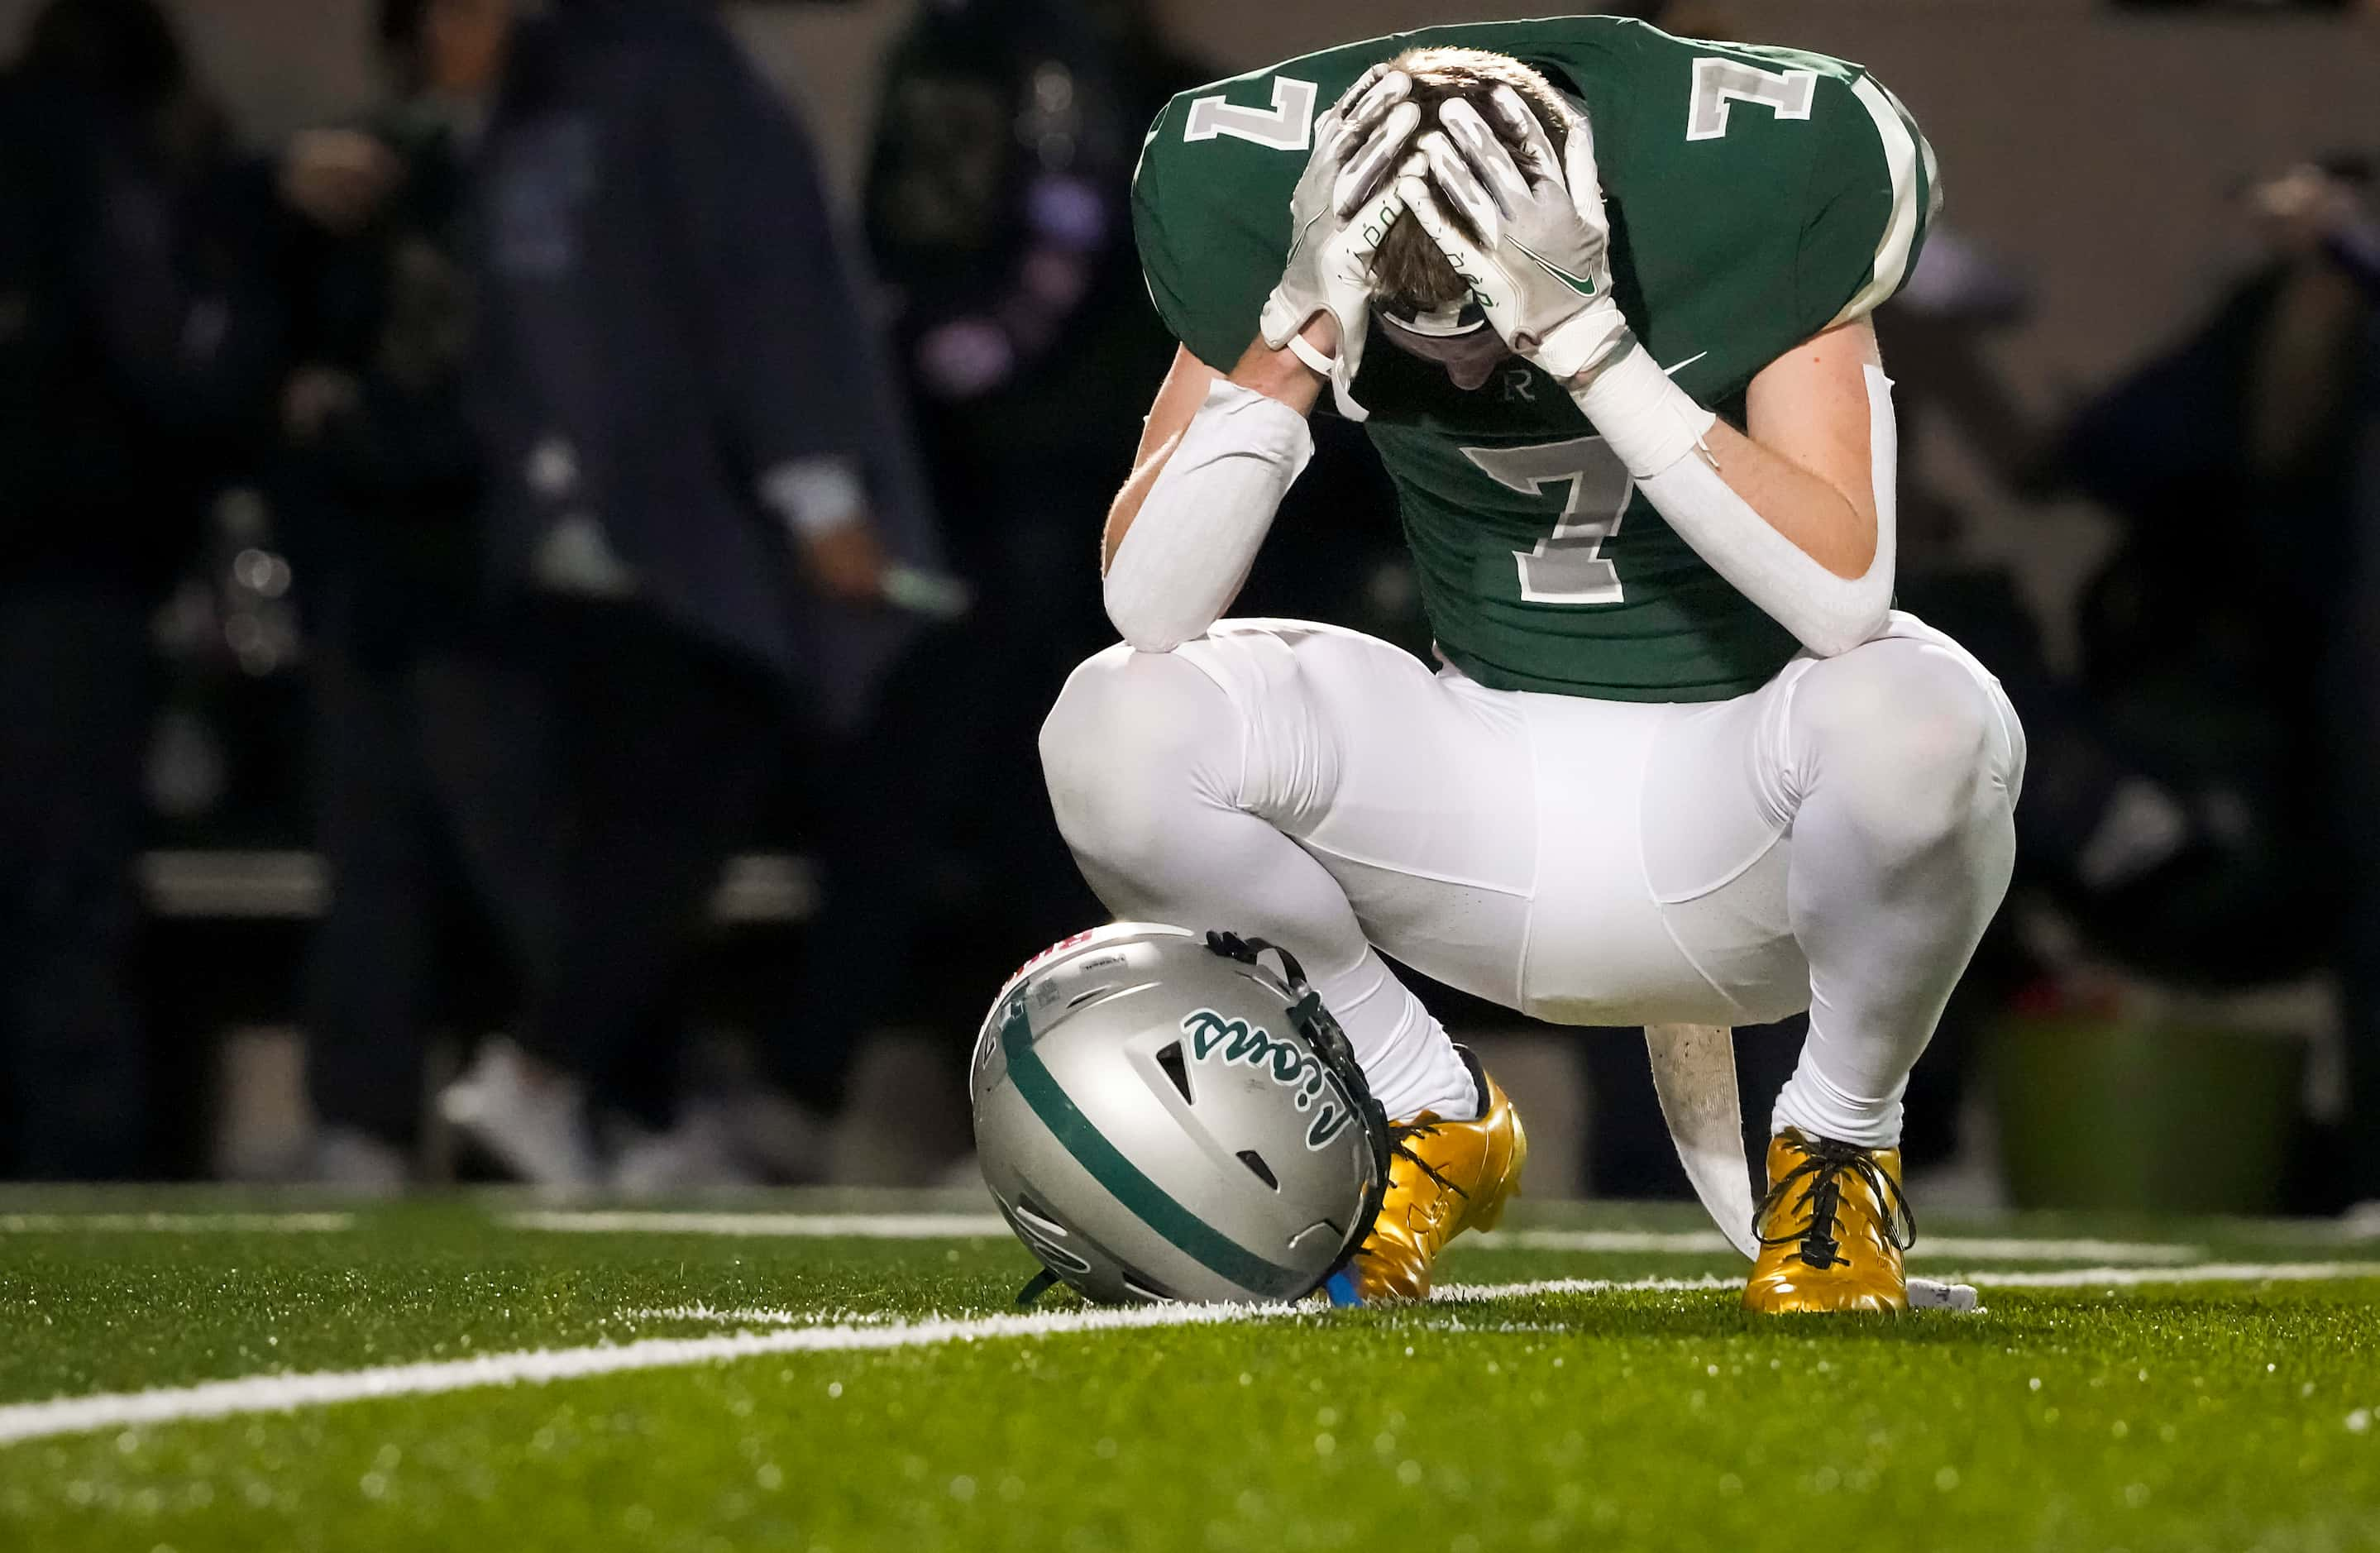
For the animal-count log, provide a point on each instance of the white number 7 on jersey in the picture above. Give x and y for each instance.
(1288, 124)
(1568, 566)
(1721, 83)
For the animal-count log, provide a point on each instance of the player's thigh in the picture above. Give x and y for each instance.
(1656, 869)
(1414, 789)
(1726, 782)
(1715, 827)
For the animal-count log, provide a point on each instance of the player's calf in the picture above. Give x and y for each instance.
(1900, 771)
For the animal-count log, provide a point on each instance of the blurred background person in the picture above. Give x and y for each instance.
(2315, 434)
(380, 495)
(137, 349)
(998, 215)
(2174, 830)
(2200, 812)
(699, 485)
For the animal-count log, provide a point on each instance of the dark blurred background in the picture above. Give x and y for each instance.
(537, 538)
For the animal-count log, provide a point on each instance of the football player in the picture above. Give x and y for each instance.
(1600, 297)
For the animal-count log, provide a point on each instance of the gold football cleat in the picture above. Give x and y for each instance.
(1831, 1229)
(1444, 1178)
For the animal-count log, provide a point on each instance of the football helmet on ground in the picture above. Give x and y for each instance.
(1162, 1116)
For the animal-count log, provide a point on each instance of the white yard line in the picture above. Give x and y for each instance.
(284, 1393)
(175, 1223)
(1699, 1241)
(1471, 1293)
(833, 1226)
(2205, 1272)
(743, 1316)
(1989, 1248)
(2014, 1278)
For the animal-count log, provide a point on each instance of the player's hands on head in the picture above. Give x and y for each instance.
(1342, 206)
(1541, 265)
(1362, 134)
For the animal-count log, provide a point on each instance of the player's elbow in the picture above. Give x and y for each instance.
(1150, 623)
(1831, 632)
(1851, 603)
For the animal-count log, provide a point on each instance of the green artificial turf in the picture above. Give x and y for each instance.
(2218, 1416)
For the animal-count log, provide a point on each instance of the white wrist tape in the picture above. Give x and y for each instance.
(1826, 613)
(1190, 546)
(1321, 364)
(1648, 422)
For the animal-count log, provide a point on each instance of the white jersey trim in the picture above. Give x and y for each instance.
(1903, 152)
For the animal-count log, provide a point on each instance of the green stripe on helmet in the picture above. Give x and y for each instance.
(1189, 1233)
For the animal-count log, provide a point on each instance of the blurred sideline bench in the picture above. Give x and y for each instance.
(256, 1075)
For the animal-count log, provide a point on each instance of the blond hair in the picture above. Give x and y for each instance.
(1408, 270)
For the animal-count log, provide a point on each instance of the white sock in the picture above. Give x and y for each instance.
(1821, 1108)
(1407, 1058)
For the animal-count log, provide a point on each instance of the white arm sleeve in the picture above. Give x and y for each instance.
(1190, 546)
(1655, 428)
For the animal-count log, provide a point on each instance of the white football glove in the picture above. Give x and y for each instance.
(1342, 208)
(1542, 268)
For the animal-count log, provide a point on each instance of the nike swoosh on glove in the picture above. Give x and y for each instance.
(1541, 265)
(1342, 208)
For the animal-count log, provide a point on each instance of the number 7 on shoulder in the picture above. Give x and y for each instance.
(1288, 124)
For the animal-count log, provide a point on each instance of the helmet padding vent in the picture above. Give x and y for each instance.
(1048, 1236)
(1258, 1167)
(1143, 1288)
(1169, 1057)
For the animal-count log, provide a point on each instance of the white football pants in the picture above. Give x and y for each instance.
(1837, 841)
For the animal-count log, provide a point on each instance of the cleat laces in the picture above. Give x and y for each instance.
(1401, 1136)
(1823, 1165)
(1433, 1212)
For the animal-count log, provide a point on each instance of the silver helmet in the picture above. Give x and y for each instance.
(1163, 1116)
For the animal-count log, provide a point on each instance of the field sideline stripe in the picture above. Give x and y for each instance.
(825, 1226)
(2208, 1272)
(285, 1393)
(1993, 1248)
(177, 1223)
(1471, 1293)
(990, 1226)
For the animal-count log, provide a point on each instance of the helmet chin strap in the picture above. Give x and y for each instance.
(1440, 323)
(1337, 1054)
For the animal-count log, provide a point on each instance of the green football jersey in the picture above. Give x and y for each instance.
(1757, 197)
